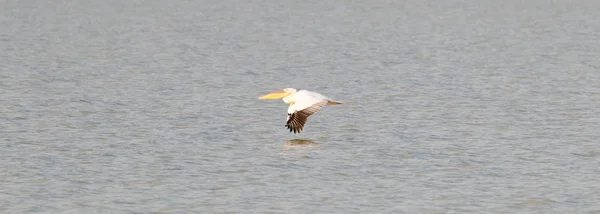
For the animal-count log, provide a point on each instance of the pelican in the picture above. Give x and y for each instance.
(303, 103)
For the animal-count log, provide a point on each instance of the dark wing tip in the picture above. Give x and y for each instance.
(297, 119)
(296, 122)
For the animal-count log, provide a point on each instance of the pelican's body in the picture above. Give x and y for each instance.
(303, 104)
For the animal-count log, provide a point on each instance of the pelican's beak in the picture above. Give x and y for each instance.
(275, 95)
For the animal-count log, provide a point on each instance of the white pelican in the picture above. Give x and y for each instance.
(303, 103)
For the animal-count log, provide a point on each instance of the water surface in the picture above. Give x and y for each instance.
(151, 106)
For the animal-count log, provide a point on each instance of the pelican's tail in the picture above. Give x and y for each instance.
(334, 103)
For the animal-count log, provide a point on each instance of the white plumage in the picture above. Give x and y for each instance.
(303, 104)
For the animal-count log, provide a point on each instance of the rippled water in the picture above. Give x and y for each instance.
(151, 106)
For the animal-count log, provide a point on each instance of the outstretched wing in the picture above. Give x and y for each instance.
(297, 118)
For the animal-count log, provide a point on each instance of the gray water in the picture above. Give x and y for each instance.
(459, 106)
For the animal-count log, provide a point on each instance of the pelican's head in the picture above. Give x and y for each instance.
(278, 94)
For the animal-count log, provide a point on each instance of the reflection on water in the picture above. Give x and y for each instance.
(301, 142)
(300, 148)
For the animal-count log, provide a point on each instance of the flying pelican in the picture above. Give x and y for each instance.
(303, 103)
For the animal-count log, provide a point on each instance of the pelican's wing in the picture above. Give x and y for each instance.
(297, 118)
(304, 99)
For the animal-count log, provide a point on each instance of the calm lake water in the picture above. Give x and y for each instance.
(459, 106)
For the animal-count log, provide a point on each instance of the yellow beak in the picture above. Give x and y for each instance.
(275, 95)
